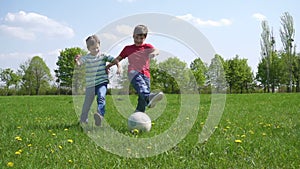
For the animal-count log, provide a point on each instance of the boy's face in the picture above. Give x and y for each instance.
(94, 49)
(139, 38)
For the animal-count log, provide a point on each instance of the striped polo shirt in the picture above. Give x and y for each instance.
(95, 73)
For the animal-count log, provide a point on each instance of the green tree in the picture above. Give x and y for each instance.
(37, 76)
(216, 75)
(297, 72)
(238, 74)
(25, 85)
(9, 78)
(66, 67)
(199, 70)
(267, 44)
(155, 75)
(287, 33)
(173, 75)
(276, 72)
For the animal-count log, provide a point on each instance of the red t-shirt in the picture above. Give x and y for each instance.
(138, 57)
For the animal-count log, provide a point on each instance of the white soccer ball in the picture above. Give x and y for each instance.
(139, 121)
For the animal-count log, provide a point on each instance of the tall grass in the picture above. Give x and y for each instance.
(256, 131)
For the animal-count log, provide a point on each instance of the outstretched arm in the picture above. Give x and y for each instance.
(154, 53)
(77, 57)
(116, 61)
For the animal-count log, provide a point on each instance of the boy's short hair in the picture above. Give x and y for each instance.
(140, 29)
(92, 40)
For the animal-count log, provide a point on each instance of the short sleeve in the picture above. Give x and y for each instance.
(108, 58)
(124, 52)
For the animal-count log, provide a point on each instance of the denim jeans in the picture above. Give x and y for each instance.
(141, 84)
(99, 90)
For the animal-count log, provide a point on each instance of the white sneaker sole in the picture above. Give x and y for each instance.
(98, 119)
(155, 99)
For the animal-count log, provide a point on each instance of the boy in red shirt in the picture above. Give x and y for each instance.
(139, 55)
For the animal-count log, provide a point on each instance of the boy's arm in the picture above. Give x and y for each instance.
(114, 62)
(154, 53)
(77, 57)
(119, 68)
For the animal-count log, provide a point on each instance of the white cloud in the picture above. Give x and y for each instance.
(17, 32)
(124, 29)
(259, 16)
(199, 22)
(29, 26)
(108, 36)
(117, 33)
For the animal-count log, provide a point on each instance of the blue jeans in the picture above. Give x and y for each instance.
(99, 90)
(141, 84)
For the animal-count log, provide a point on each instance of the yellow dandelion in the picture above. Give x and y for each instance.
(135, 131)
(238, 141)
(18, 153)
(227, 127)
(243, 135)
(10, 164)
(29, 145)
(70, 141)
(18, 138)
(53, 134)
(60, 147)
(70, 161)
(66, 129)
(264, 134)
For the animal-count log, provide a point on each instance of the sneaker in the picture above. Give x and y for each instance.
(98, 119)
(83, 122)
(156, 98)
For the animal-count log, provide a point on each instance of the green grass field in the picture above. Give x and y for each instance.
(255, 131)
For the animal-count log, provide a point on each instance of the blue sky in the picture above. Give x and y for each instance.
(29, 27)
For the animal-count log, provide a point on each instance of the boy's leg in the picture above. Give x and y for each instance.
(154, 98)
(101, 93)
(142, 86)
(88, 100)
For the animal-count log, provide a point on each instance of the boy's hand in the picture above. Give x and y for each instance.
(77, 57)
(107, 68)
(154, 53)
(151, 55)
(119, 71)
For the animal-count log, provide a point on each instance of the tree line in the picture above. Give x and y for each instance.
(277, 71)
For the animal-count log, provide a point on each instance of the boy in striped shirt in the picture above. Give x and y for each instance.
(96, 78)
